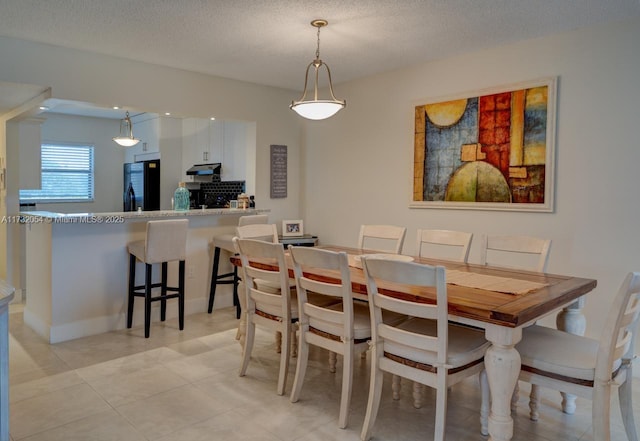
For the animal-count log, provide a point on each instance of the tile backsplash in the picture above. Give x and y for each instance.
(216, 186)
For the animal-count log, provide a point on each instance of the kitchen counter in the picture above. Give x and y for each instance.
(77, 268)
(120, 217)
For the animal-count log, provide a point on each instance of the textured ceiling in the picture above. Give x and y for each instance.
(270, 41)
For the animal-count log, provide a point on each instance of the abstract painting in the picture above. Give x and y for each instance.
(492, 149)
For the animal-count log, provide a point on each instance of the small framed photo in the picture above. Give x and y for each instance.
(233, 204)
(292, 228)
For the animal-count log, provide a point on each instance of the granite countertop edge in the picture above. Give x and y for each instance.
(115, 217)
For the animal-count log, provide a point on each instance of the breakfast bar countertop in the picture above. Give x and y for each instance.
(119, 217)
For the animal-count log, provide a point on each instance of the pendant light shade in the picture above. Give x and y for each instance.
(315, 108)
(126, 139)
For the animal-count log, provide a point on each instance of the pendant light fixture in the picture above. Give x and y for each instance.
(315, 108)
(126, 139)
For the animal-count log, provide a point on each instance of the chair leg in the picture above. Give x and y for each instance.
(442, 394)
(417, 395)
(534, 400)
(214, 278)
(626, 408)
(485, 405)
(600, 412)
(301, 366)
(333, 358)
(248, 344)
(284, 359)
(395, 387)
(147, 299)
(132, 283)
(375, 393)
(181, 294)
(515, 396)
(347, 385)
(236, 299)
(163, 293)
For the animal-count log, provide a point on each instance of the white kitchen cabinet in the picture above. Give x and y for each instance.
(201, 142)
(234, 148)
(227, 142)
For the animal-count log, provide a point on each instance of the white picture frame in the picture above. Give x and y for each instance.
(292, 228)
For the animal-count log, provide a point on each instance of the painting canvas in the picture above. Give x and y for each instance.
(492, 149)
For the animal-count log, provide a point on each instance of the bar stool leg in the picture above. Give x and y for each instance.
(132, 283)
(236, 300)
(181, 294)
(147, 300)
(163, 293)
(214, 278)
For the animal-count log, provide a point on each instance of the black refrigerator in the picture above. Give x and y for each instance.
(141, 185)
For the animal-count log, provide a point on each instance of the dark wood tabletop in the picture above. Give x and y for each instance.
(482, 305)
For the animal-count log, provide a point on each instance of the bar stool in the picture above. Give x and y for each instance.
(165, 241)
(225, 242)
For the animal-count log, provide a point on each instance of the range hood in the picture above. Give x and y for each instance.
(205, 169)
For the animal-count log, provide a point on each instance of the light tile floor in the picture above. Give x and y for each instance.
(184, 386)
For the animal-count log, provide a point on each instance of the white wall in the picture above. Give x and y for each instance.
(108, 159)
(358, 165)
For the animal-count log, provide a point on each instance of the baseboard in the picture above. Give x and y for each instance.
(100, 325)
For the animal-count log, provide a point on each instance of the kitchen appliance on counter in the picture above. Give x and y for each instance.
(141, 185)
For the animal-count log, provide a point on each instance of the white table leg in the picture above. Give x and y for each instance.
(571, 320)
(502, 362)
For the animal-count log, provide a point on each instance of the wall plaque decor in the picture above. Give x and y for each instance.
(278, 171)
(492, 149)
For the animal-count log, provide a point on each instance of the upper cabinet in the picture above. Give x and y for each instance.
(208, 141)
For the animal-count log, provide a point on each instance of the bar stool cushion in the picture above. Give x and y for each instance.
(224, 241)
(173, 245)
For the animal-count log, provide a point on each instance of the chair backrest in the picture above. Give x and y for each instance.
(276, 302)
(166, 240)
(379, 271)
(264, 232)
(253, 219)
(444, 244)
(618, 337)
(387, 238)
(307, 257)
(524, 252)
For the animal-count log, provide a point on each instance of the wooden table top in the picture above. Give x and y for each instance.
(477, 304)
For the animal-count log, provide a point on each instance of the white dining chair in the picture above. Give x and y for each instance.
(522, 252)
(265, 308)
(267, 233)
(444, 244)
(383, 238)
(426, 348)
(587, 367)
(341, 326)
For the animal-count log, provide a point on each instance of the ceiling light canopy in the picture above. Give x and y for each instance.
(126, 139)
(315, 108)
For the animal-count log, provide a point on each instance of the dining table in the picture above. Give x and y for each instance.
(499, 300)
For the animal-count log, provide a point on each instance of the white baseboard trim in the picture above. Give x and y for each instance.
(100, 325)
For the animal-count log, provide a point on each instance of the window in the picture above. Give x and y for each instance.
(67, 174)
